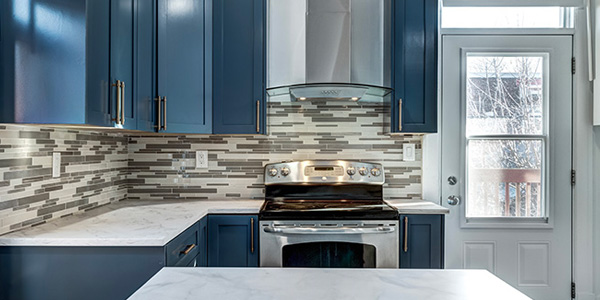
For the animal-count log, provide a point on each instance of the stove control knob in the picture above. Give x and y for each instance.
(375, 172)
(363, 171)
(285, 171)
(273, 172)
(351, 171)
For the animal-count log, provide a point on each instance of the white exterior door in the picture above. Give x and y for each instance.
(506, 159)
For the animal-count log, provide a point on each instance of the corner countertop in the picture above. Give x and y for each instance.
(292, 283)
(150, 223)
(127, 223)
(418, 207)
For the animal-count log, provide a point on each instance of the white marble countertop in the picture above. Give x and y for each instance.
(292, 283)
(418, 207)
(126, 223)
(150, 222)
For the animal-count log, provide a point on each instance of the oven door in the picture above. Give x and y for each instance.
(329, 244)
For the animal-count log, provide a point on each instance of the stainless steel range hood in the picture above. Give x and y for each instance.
(329, 49)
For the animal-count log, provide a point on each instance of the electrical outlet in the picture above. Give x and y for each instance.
(56, 164)
(408, 152)
(201, 159)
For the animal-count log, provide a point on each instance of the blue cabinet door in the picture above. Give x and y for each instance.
(122, 67)
(238, 66)
(202, 259)
(43, 53)
(186, 105)
(233, 241)
(422, 241)
(145, 65)
(415, 66)
(98, 109)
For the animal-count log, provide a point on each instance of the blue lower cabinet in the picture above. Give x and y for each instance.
(422, 241)
(31, 273)
(233, 241)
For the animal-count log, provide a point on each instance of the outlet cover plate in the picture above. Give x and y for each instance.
(202, 159)
(408, 152)
(56, 164)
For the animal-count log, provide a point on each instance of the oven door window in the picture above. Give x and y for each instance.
(329, 255)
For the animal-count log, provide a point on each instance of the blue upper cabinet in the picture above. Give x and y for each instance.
(233, 241)
(414, 106)
(64, 68)
(183, 103)
(422, 241)
(51, 60)
(238, 66)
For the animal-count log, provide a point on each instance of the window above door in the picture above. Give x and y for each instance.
(507, 17)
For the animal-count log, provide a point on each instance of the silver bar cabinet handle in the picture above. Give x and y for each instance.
(400, 114)
(158, 115)
(405, 234)
(258, 116)
(164, 113)
(252, 235)
(188, 249)
(117, 119)
(122, 102)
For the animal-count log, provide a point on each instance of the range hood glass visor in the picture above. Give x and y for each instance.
(329, 49)
(331, 91)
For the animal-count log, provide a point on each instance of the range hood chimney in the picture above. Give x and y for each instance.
(329, 49)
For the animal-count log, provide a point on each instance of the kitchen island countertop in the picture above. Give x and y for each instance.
(292, 283)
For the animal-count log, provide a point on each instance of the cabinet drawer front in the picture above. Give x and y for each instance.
(183, 248)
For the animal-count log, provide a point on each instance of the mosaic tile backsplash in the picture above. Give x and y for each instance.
(103, 167)
(93, 172)
(164, 166)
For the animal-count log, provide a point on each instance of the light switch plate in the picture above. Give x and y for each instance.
(408, 152)
(56, 164)
(201, 159)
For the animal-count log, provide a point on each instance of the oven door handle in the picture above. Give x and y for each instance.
(335, 230)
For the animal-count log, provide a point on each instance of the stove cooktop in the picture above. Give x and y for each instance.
(327, 210)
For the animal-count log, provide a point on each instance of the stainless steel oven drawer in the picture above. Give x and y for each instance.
(352, 244)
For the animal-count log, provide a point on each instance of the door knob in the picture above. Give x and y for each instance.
(453, 200)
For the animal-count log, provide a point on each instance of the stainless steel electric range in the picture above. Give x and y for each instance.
(328, 214)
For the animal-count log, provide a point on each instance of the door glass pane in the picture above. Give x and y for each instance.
(505, 178)
(504, 94)
(329, 255)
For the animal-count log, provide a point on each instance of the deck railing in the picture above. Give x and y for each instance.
(505, 192)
